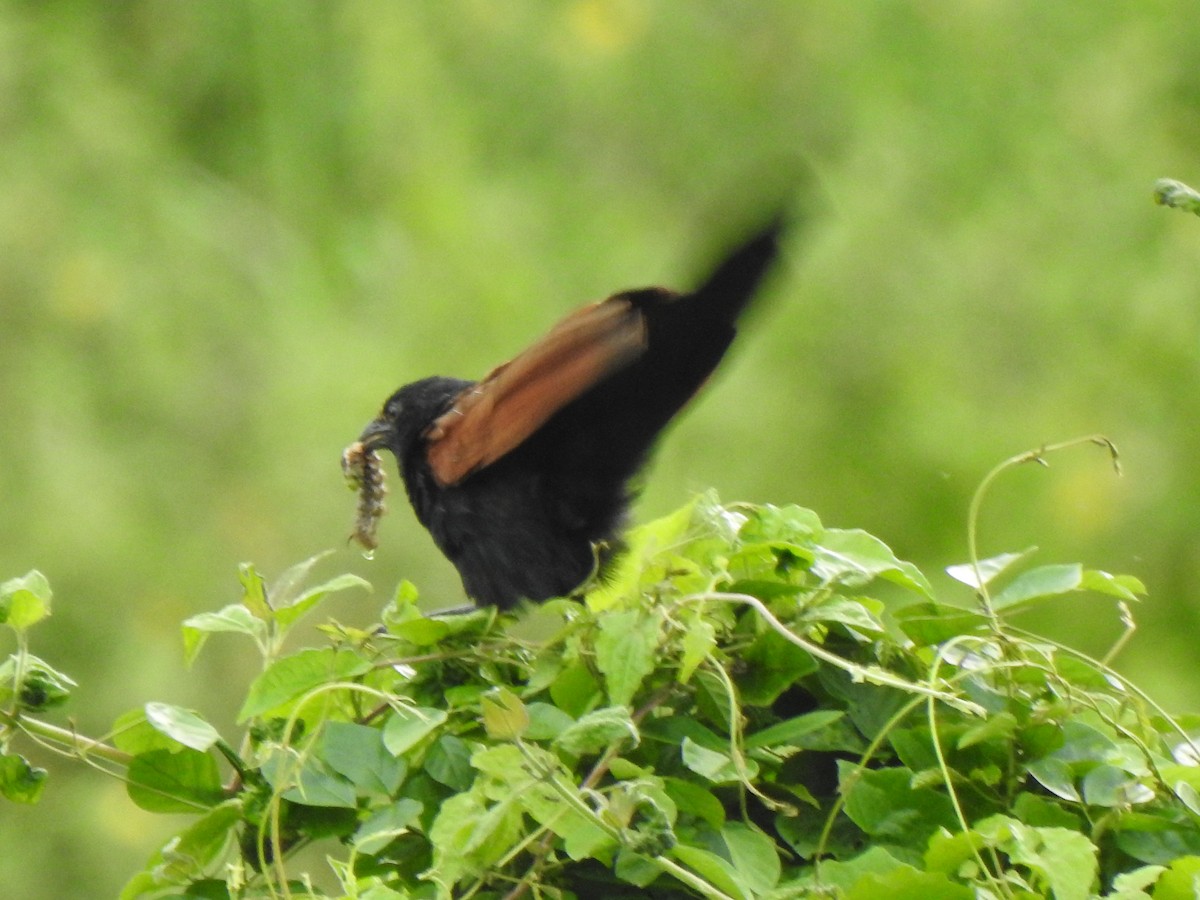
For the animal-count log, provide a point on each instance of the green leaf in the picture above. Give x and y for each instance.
(291, 677)
(181, 725)
(775, 524)
(308, 781)
(1132, 885)
(752, 854)
(449, 762)
(575, 691)
(467, 836)
(286, 588)
(287, 615)
(421, 632)
(1177, 195)
(773, 665)
(581, 834)
(856, 614)
(385, 825)
(597, 730)
(1112, 786)
(989, 569)
(254, 592)
(1001, 725)
(714, 869)
(642, 544)
(357, 752)
(1055, 776)
(907, 883)
(928, 624)
(875, 861)
(504, 715)
(24, 601)
(1065, 860)
(20, 782)
(718, 768)
(42, 686)
(546, 722)
(791, 730)
(696, 800)
(884, 804)
(947, 852)
(165, 782)
(1039, 584)
(202, 843)
(408, 726)
(625, 651)
(699, 640)
(133, 734)
(1124, 587)
(854, 557)
(233, 618)
(1180, 880)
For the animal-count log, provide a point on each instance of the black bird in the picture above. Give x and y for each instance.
(523, 478)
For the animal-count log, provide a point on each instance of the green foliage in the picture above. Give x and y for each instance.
(1176, 194)
(754, 706)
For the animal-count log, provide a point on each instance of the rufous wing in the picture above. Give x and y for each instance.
(496, 415)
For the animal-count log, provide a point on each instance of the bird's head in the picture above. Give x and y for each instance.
(408, 413)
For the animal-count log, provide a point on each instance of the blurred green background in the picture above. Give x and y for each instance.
(229, 230)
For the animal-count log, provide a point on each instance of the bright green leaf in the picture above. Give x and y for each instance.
(546, 721)
(854, 557)
(25, 601)
(287, 615)
(357, 752)
(625, 652)
(696, 800)
(385, 825)
(182, 725)
(448, 762)
(928, 624)
(753, 855)
(642, 544)
(290, 677)
(504, 715)
(254, 592)
(233, 618)
(308, 781)
(164, 782)
(715, 869)
(791, 730)
(286, 588)
(699, 639)
(998, 726)
(884, 804)
(408, 726)
(716, 767)
(1124, 587)
(467, 836)
(597, 730)
(203, 842)
(907, 883)
(1179, 881)
(1065, 860)
(20, 782)
(1041, 583)
(575, 691)
(989, 569)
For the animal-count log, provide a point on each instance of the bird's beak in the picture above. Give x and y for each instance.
(376, 434)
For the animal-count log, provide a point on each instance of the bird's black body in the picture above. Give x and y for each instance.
(523, 478)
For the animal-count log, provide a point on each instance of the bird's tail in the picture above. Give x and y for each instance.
(727, 291)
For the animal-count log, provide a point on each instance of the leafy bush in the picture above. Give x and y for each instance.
(753, 706)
